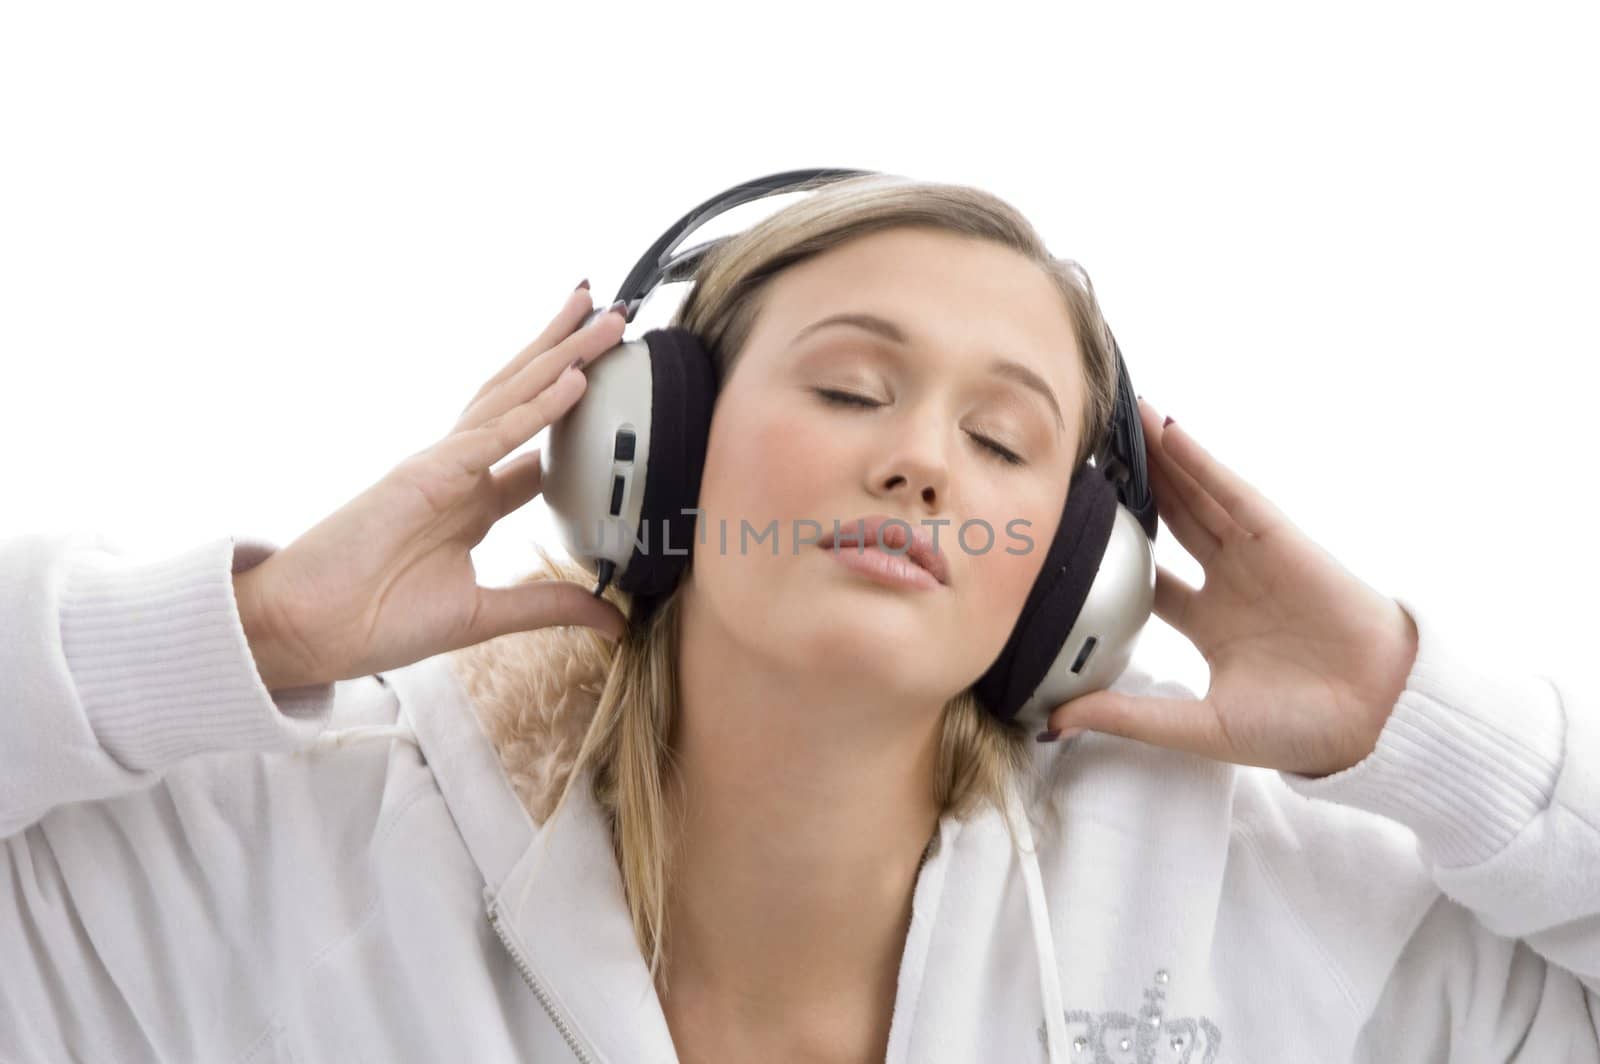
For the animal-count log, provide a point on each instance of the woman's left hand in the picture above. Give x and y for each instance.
(1306, 660)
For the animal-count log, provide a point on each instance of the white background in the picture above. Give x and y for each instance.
(253, 256)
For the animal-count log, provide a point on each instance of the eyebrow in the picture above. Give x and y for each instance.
(888, 330)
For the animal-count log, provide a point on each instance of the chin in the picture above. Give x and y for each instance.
(865, 633)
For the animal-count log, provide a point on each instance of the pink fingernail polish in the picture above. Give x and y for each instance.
(1167, 422)
(582, 284)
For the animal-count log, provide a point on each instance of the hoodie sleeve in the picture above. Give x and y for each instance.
(117, 670)
(179, 844)
(1497, 774)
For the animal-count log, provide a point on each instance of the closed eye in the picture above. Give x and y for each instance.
(837, 398)
(845, 398)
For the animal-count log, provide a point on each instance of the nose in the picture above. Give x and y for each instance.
(913, 460)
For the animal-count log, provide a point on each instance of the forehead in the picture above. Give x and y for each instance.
(956, 297)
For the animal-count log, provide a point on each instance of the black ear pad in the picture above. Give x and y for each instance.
(1057, 596)
(683, 386)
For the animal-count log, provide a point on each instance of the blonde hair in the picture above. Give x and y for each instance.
(633, 685)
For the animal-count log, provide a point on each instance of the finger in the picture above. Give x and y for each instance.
(1199, 521)
(543, 604)
(480, 447)
(577, 306)
(1174, 506)
(1186, 724)
(1247, 507)
(588, 343)
(1173, 596)
(517, 482)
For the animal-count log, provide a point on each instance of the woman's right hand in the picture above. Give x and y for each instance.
(388, 579)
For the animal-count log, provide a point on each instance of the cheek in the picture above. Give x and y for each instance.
(766, 466)
(766, 463)
(999, 579)
(762, 466)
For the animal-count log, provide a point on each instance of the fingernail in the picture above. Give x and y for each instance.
(582, 284)
(1048, 736)
(1167, 422)
(576, 363)
(618, 307)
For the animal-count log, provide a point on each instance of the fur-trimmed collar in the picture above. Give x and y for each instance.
(534, 694)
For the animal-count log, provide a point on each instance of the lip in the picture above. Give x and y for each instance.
(867, 529)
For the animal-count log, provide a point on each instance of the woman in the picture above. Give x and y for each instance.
(772, 822)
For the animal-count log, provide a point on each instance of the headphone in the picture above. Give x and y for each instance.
(630, 452)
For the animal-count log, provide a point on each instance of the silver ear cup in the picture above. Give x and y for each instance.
(1102, 640)
(594, 463)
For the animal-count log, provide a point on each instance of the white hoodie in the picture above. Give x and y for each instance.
(197, 869)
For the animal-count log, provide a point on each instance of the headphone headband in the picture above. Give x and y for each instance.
(658, 266)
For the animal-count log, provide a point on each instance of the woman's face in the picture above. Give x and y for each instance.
(781, 455)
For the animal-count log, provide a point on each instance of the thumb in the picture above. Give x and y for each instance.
(544, 604)
(1187, 724)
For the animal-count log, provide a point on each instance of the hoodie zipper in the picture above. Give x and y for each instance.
(538, 991)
